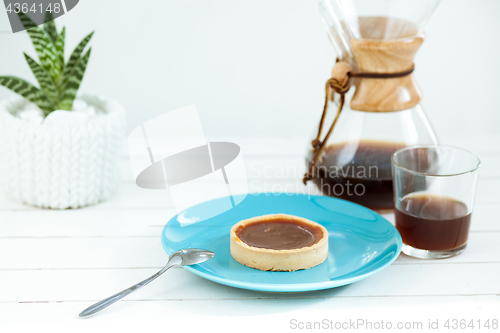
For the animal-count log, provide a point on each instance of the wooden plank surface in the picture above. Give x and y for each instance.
(59, 285)
(146, 251)
(264, 315)
(55, 263)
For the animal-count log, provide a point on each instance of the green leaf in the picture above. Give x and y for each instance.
(26, 21)
(43, 78)
(60, 46)
(45, 49)
(73, 82)
(75, 56)
(28, 91)
(50, 26)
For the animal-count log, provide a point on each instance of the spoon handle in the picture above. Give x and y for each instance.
(101, 305)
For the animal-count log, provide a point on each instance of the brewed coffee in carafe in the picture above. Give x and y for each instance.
(372, 100)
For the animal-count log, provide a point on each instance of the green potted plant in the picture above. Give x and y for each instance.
(57, 149)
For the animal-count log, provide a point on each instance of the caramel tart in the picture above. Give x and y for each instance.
(279, 242)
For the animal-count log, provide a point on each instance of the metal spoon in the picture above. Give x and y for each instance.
(181, 258)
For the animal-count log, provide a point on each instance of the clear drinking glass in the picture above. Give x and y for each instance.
(434, 189)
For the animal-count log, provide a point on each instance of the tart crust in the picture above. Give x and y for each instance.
(278, 260)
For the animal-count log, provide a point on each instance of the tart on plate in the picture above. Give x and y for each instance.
(279, 242)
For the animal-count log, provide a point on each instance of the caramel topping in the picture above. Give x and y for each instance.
(279, 234)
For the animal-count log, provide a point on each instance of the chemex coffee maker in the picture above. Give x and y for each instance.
(372, 100)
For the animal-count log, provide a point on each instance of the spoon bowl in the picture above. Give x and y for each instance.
(193, 256)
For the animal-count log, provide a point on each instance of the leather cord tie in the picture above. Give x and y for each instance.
(341, 86)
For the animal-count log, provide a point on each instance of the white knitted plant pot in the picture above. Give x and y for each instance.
(61, 166)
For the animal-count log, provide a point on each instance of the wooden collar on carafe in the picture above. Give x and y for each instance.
(374, 95)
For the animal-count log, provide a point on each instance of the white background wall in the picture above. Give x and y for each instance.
(258, 68)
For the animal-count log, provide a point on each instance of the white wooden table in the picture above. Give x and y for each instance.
(53, 264)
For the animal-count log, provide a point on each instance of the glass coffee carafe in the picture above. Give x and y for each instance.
(372, 100)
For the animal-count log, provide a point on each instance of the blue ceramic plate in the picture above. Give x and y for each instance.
(361, 242)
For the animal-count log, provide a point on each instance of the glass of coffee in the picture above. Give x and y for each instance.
(434, 189)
